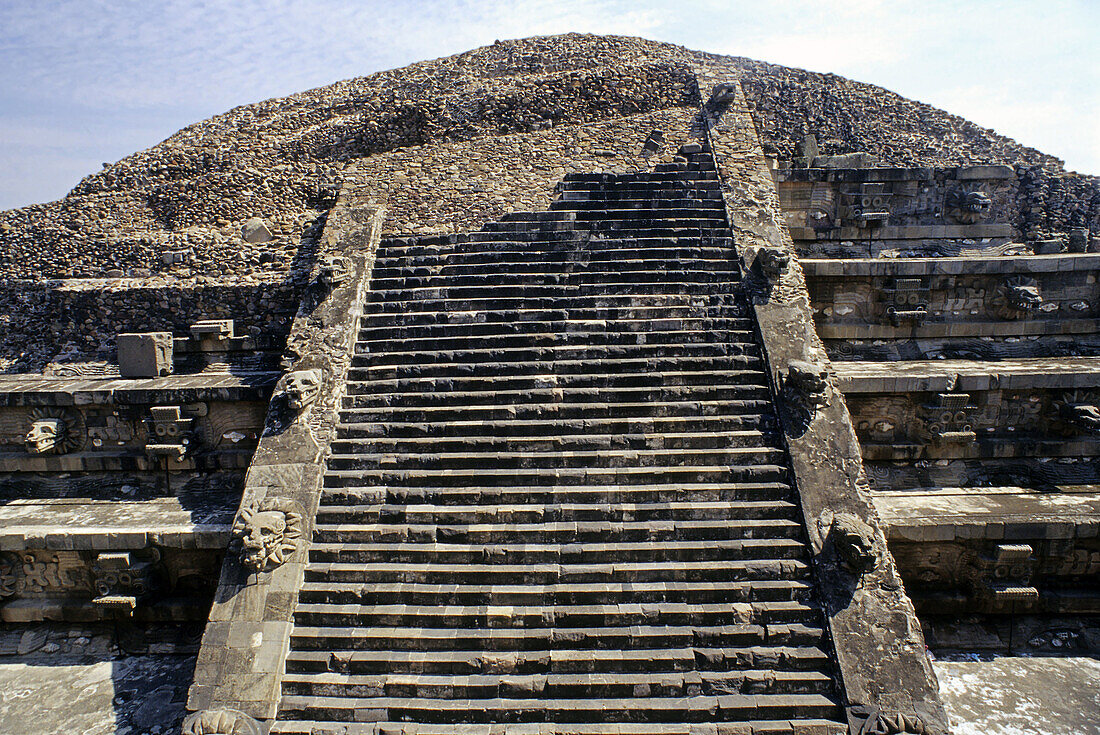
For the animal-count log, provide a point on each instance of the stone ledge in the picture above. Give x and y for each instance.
(932, 330)
(850, 267)
(906, 232)
(967, 375)
(1005, 513)
(65, 524)
(35, 390)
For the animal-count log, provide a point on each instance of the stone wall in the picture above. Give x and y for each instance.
(62, 326)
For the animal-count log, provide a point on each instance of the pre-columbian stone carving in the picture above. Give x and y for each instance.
(1082, 416)
(54, 431)
(722, 95)
(893, 724)
(1017, 297)
(854, 542)
(333, 271)
(806, 386)
(772, 263)
(220, 722)
(270, 532)
(300, 388)
(967, 207)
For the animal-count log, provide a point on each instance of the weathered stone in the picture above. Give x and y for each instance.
(147, 355)
(255, 231)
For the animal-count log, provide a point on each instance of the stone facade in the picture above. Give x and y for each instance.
(682, 385)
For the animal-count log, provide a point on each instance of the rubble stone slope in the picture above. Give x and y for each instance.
(178, 207)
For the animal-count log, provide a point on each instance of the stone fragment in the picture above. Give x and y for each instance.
(256, 231)
(145, 355)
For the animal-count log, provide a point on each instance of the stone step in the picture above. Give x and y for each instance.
(556, 410)
(592, 341)
(595, 459)
(801, 726)
(568, 247)
(355, 638)
(617, 552)
(559, 686)
(496, 477)
(553, 442)
(772, 614)
(561, 532)
(562, 262)
(429, 295)
(560, 574)
(618, 593)
(550, 234)
(549, 379)
(537, 709)
(628, 315)
(567, 394)
(652, 493)
(497, 302)
(563, 661)
(427, 514)
(673, 200)
(612, 211)
(549, 353)
(561, 278)
(501, 328)
(563, 367)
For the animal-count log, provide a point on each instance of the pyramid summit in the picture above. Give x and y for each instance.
(571, 384)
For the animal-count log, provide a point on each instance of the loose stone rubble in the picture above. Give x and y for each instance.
(505, 390)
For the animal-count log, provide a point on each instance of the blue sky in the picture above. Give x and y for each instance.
(90, 81)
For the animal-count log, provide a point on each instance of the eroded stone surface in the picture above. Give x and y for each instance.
(1021, 696)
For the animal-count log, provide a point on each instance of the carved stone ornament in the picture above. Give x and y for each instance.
(872, 721)
(270, 531)
(1017, 297)
(219, 722)
(722, 94)
(1085, 416)
(11, 567)
(54, 431)
(806, 385)
(967, 207)
(772, 262)
(854, 542)
(300, 388)
(333, 271)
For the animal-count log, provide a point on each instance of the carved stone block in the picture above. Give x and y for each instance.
(145, 355)
(212, 330)
(270, 531)
(168, 432)
(220, 722)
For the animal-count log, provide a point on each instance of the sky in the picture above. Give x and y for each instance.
(87, 82)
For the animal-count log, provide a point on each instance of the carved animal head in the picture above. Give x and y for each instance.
(333, 270)
(46, 435)
(269, 531)
(809, 381)
(301, 388)
(773, 262)
(968, 207)
(1084, 415)
(219, 722)
(1024, 298)
(894, 724)
(854, 542)
(722, 94)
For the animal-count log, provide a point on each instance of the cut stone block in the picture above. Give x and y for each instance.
(145, 355)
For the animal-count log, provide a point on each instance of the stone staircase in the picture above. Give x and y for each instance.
(558, 501)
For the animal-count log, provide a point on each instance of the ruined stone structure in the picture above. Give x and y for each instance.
(568, 385)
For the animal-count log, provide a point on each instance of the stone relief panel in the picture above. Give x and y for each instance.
(905, 301)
